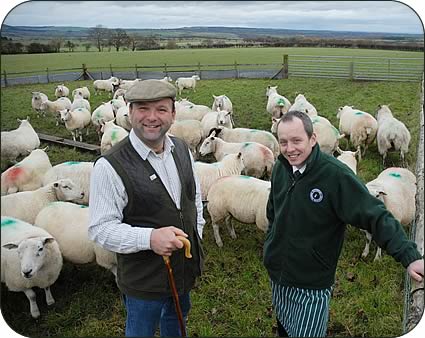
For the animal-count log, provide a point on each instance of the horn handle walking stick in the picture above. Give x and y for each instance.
(186, 244)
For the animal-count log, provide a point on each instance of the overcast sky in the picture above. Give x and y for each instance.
(365, 16)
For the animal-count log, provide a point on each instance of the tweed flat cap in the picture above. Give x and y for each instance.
(150, 90)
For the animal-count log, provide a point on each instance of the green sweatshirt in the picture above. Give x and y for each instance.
(307, 219)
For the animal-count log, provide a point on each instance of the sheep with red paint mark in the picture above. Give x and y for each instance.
(30, 257)
(243, 198)
(27, 174)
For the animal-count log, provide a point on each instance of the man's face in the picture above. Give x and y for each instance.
(294, 143)
(151, 120)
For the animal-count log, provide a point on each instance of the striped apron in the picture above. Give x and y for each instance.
(302, 312)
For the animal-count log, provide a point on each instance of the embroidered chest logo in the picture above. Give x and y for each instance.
(316, 195)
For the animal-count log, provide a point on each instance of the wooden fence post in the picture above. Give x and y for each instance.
(199, 69)
(165, 69)
(285, 67)
(137, 71)
(351, 74)
(5, 77)
(47, 75)
(236, 70)
(110, 68)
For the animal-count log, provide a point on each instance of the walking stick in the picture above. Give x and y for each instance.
(187, 254)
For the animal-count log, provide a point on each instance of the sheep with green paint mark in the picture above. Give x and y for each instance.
(258, 159)
(396, 188)
(27, 174)
(112, 134)
(78, 172)
(359, 125)
(277, 104)
(186, 110)
(68, 224)
(30, 257)
(80, 102)
(243, 198)
(208, 173)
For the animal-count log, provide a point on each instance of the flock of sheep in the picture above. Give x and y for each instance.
(45, 210)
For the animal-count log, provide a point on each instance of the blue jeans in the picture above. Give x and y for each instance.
(144, 316)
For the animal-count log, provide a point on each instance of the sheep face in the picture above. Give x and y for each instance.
(65, 115)
(271, 90)
(31, 253)
(223, 118)
(66, 190)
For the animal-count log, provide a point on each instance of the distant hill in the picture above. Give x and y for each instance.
(46, 32)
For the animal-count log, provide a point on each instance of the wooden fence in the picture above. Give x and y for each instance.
(346, 67)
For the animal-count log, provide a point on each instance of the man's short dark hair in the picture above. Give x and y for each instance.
(305, 119)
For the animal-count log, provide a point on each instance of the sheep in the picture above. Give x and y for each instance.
(186, 110)
(208, 173)
(27, 174)
(249, 135)
(241, 197)
(78, 172)
(68, 223)
(166, 79)
(326, 134)
(105, 85)
(392, 133)
(80, 102)
(83, 91)
(117, 104)
(348, 158)
(126, 84)
(75, 121)
(258, 159)
(61, 91)
(30, 257)
(119, 93)
(277, 105)
(359, 125)
(20, 141)
(187, 82)
(37, 99)
(26, 205)
(102, 114)
(302, 104)
(396, 188)
(189, 131)
(112, 134)
(216, 119)
(222, 102)
(54, 107)
(122, 118)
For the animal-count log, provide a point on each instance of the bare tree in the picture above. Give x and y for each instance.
(119, 38)
(99, 35)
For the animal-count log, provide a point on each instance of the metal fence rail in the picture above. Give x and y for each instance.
(344, 67)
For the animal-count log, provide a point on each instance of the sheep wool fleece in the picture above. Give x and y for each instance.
(307, 218)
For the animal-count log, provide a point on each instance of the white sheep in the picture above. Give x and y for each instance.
(19, 141)
(112, 134)
(187, 82)
(117, 103)
(127, 84)
(249, 135)
(75, 121)
(26, 205)
(359, 125)
(80, 102)
(396, 188)
(30, 257)
(303, 105)
(166, 79)
(54, 107)
(61, 91)
(190, 131)
(222, 102)
(277, 105)
(216, 119)
(122, 118)
(68, 223)
(186, 110)
(392, 133)
(83, 91)
(102, 114)
(37, 99)
(119, 93)
(105, 85)
(349, 158)
(208, 173)
(27, 174)
(258, 159)
(241, 197)
(326, 134)
(78, 172)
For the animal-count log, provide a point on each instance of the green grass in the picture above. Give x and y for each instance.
(233, 296)
(37, 62)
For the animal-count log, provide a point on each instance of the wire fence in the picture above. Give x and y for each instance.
(345, 67)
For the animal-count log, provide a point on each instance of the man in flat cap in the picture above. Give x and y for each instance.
(143, 193)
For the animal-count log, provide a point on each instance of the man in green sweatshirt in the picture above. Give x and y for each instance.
(313, 196)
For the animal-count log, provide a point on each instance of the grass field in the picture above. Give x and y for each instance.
(233, 296)
(36, 62)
